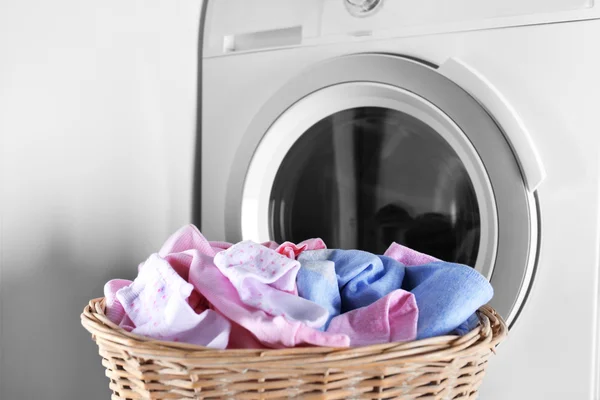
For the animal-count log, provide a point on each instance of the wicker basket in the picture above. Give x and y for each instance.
(448, 367)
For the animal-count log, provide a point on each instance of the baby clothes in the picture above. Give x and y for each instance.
(250, 325)
(189, 237)
(266, 280)
(393, 318)
(220, 245)
(157, 304)
(252, 295)
(271, 330)
(113, 309)
(270, 245)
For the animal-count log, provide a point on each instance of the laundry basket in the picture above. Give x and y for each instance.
(448, 367)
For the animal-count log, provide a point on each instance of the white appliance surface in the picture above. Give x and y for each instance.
(543, 58)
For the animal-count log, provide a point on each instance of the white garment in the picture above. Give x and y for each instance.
(157, 303)
(266, 280)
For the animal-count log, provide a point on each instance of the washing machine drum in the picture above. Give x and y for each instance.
(366, 177)
(366, 150)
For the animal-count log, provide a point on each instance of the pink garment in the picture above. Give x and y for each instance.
(265, 279)
(292, 250)
(271, 245)
(113, 309)
(408, 257)
(220, 245)
(187, 237)
(242, 338)
(191, 249)
(272, 331)
(287, 249)
(157, 303)
(392, 318)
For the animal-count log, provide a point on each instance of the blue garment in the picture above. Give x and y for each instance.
(467, 326)
(344, 280)
(364, 278)
(447, 296)
(316, 281)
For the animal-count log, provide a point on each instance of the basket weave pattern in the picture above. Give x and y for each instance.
(447, 367)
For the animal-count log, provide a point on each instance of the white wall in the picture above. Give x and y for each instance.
(97, 117)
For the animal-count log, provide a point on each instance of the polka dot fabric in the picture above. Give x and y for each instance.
(157, 304)
(266, 280)
(251, 259)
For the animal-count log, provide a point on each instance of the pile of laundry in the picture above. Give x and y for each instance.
(251, 295)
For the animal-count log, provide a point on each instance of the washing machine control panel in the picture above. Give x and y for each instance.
(362, 8)
(238, 26)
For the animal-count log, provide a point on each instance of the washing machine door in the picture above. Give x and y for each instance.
(367, 150)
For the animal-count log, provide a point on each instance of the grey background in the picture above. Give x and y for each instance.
(97, 119)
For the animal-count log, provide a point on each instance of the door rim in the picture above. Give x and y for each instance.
(292, 124)
(518, 236)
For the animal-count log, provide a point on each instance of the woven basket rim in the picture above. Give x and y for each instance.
(490, 332)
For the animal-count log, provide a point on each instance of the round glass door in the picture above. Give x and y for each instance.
(364, 157)
(365, 177)
(362, 165)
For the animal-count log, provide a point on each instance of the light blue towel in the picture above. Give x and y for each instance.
(316, 281)
(447, 296)
(344, 280)
(364, 278)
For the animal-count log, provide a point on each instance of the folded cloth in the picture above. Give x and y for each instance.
(251, 325)
(447, 295)
(392, 318)
(266, 280)
(361, 278)
(157, 303)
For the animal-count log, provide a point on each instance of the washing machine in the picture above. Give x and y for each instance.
(468, 130)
